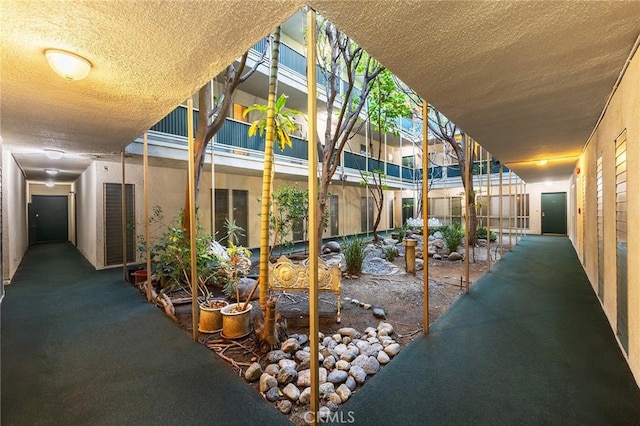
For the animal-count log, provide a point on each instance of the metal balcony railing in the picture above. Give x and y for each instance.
(235, 134)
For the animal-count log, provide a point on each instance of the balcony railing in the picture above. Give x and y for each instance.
(235, 134)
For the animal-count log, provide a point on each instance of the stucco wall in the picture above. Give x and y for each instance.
(86, 219)
(15, 238)
(622, 114)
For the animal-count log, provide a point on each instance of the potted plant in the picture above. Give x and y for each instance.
(236, 316)
(210, 316)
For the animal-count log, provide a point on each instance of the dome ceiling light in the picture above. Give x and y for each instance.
(68, 65)
(53, 154)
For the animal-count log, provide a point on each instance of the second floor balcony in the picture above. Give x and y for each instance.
(234, 135)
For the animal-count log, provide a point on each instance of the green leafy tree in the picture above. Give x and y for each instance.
(339, 56)
(386, 105)
(211, 117)
(448, 132)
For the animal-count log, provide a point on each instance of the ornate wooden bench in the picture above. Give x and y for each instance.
(286, 275)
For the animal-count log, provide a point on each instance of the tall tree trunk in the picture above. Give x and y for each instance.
(267, 176)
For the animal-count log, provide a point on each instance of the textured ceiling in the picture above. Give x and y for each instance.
(528, 80)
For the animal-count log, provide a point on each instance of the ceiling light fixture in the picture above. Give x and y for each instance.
(51, 172)
(53, 154)
(541, 162)
(49, 184)
(68, 65)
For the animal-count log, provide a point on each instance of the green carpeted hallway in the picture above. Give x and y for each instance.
(529, 345)
(82, 347)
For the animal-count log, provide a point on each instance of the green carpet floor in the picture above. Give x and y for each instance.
(82, 347)
(530, 345)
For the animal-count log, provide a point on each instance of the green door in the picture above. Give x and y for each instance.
(50, 215)
(554, 213)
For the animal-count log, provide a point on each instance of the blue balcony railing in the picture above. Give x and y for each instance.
(393, 170)
(235, 134)
(176, 122)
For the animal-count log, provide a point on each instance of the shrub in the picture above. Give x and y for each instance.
(453, 235)
(354, 254)
(482, 233)
(390, 253)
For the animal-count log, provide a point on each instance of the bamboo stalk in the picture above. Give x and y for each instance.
(192, 222)
(147, 233)
(467, 221)
(510, 210)
(123, 213)
(312, 111)
(425, 216)
(267, 176)
(488, 211)
(500, 208)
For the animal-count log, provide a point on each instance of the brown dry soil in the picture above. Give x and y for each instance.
(400, 295)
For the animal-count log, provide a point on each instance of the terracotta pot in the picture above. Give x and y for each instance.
(211, 318)
(235, 324)
(140, 276)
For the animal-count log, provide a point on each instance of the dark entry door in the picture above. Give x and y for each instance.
(554, 213)
(50, 216)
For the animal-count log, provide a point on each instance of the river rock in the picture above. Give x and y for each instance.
(343, 365)
(335, 398)
(436, 256)
(267, 382)
(385, 327)
(284, 406)
(337, 337)
(291, 392)
(305, 396)
(438, 235)
(379, 313)
(302, 339)
(343, 392)
(272, 369)
(245, 285)
(351, 383)
(274, 356)
(371, 332)
(329, 343)
(349, 331)
(334, 246)
(323, 414)
(337, 377)
(325, 389)
(329, 362)
(253, 373)
(393, 349)
(349, 355)
(340, 349)
(290, 345)
(287, 375)
(358, 374)
(304, 377)
(455, 256)
(383, 358)
(371, 365)
(286, 363)
(273, 394)
(302, 356)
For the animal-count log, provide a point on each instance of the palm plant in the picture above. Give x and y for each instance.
(276, 124)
